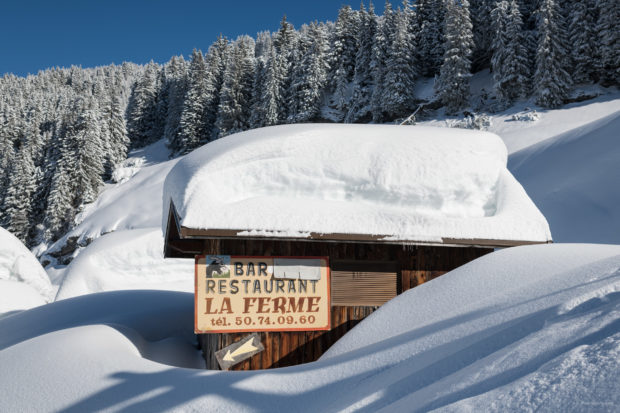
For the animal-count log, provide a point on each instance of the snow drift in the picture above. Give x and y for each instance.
(522, 329)
(23, 281)
(574, 178)
(130, 259)
(404, 182)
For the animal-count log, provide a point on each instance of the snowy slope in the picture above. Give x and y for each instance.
(522, 329)
(122, 260)
(574, 178)
(23, 282)
(134, 202)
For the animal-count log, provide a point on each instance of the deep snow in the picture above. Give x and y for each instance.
(525, 329)
(574, 178)
(23, 281)
(528, 328)
(410, 183)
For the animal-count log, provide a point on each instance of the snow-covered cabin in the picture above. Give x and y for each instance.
(390, 206)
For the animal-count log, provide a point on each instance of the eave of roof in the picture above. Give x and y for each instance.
(185, 233)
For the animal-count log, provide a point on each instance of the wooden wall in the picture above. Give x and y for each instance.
(415, 264)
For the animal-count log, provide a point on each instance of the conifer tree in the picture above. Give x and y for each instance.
(551, 79)
(401, 67)
(310, 76)
(236, 94)
(431, 45)
(609, 42)
(22, 185)
(285, 43)
(363, 77)
(216, 59)
(380, 52)
(77, 178)
(342, 59)
(582, 40)
(119, 142)
(268, 93)
(142, 110)
(452, 86)
(484, 35)
(509, 61)
(192, 128)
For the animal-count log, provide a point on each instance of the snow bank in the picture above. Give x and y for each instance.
(17, 296)
(405, 182)
(522, 133)
(131, 259)
(18, 265)
(522, 329)
(573, 178)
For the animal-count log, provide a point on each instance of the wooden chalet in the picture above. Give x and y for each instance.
(365, 271)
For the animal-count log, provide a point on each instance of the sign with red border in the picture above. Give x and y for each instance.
(252, 293)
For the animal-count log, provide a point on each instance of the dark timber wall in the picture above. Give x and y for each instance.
(414, 265)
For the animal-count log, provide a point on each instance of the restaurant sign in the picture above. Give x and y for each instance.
(239, 293)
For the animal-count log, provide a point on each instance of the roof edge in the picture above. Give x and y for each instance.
(192, 233)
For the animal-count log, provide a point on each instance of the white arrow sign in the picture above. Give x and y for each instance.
(239, 351)
(246, 347)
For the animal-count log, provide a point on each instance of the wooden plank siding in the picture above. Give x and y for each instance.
(413, 265)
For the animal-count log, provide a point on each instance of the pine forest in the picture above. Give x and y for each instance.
(64, 131)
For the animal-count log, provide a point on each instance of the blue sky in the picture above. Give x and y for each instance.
(37, 34)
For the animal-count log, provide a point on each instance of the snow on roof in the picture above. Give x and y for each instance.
(402, 183)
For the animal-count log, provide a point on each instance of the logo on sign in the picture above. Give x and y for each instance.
(218, 266)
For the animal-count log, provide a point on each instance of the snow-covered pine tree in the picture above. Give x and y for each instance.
(176, 78)
(431, 39)
(344, 50)
(60, 207)
(509, 61)
(609, 42)
(161, 107)
(360, 108)
(118, 140)
(310, 76)
(380, 51)
(216, 59)
(452, 86)
(142, 109)
(285, 44)
(22, 185)
(551, 79)
(236, 95)
(77, 178)
(89, 158)
(192, 127)
(262, 44)
(582, 40)
(267, 92)
(480, 12)
(529, 13)
(9, 134)
(401, 67)
(344, 43)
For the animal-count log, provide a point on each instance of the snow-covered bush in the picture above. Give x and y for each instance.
(471, 121)
(526, 116)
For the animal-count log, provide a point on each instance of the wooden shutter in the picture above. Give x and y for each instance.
(363, 283)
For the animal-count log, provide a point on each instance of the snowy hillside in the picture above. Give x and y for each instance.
(23, 282)
(523, 329)
(574, 179)
(583, 188)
